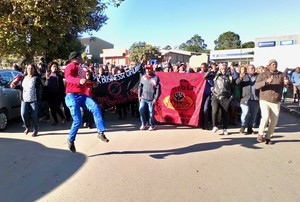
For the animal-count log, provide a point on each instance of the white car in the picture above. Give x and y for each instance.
(10, 102)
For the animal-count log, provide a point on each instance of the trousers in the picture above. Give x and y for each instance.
(74, 102)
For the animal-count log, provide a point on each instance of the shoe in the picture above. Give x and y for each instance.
(71, 146)
(215, 129)
(151, 128)
(269, 142)
(242, 130)
(102, 137)
(260, 138)
(142, 127)
(225, 132)
(249, 130)
(26, 131)
(84, 125)
(34, 134)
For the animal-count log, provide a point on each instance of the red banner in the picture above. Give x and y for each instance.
(181, 98)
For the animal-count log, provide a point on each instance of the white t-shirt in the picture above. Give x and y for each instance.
(29, 90)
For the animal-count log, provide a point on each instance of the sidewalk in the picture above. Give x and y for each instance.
(291, 107)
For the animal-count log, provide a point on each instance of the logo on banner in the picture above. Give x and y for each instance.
(178, 101)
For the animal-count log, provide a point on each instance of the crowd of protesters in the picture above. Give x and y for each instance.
(235, 93)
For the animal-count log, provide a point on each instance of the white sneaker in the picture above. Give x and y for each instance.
(215, 129)
(151, 128)
(142, 127)
(225, 132)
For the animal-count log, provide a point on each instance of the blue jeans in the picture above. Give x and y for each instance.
(146, 106)
(74, 102)
(30, 107)
(249, 113)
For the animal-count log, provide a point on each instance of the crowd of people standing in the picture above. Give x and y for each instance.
(250, 94)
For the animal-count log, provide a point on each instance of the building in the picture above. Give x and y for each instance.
(238, 56)
(177, 55)
(94, 47)
(113, 56)
(285, 49)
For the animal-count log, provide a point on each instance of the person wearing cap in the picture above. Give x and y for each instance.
(296, 84)
(77, 96)
(270, 84)
(148, 93)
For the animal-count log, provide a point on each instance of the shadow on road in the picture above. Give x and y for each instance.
(30, 170)
(247, 142)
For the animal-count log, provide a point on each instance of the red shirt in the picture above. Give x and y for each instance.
(73, 73)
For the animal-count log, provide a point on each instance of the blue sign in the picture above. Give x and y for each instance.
(266, 44)
(287, 42)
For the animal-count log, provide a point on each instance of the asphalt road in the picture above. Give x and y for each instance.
(174, 163)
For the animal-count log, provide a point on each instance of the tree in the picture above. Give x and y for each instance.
(195, 44)
(168, 47)
(228, 40)
(140, 49)
(249, 44)
(40, 27)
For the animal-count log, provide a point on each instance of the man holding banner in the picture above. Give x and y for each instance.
(148, 93)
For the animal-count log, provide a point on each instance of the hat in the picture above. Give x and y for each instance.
(149, 67)
(272, 61)
(73, 55)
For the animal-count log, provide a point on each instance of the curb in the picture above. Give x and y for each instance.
(292, 111)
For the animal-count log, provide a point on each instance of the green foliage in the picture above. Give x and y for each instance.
(140, 50)
(195, 44)
(168, 47)
(39, 27)
(228, 40)
(249, 44)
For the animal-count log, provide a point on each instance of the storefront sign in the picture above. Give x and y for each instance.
(266, 44)
(287, 42)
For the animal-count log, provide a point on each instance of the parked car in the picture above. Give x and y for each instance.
(10, 102)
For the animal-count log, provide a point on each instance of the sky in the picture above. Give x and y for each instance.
(173, 22)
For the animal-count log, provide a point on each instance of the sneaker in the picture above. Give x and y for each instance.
(260, 138)
(85, 125)
(142, 127)
(215, 129)
(34, 134)
(151, 128)
(242, 130)
(26, 131)
(71, 146)
(102, 137)
(225, 132)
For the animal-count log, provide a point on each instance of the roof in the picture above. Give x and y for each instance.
(182, 52)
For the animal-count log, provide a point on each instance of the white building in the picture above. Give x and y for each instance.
(239, 56)
(284, 49)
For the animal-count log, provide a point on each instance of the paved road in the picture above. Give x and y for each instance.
(174, 163)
